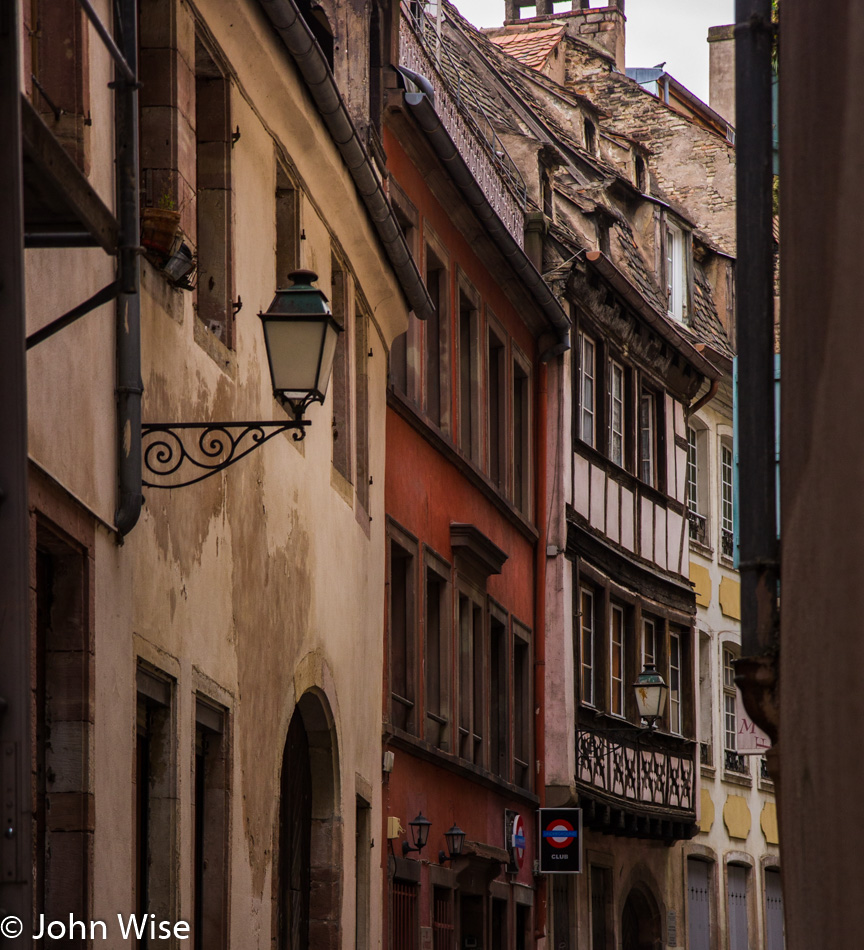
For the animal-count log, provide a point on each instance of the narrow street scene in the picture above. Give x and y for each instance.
(390, 481)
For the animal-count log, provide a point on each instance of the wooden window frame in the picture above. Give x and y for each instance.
(469, 370)
(588, 696)
(398, 537)
(621, 401)
(497, 448)
(589, 381)
(522, 489)
(618, 708)
(433, 247)
(439, 725)
(472, 674)
(522, 772)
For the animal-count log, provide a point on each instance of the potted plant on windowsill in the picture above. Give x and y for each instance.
(159, 226)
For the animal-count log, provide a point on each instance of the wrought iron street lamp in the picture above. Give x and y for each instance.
(300, 337)
(651, 691)
(419, 834)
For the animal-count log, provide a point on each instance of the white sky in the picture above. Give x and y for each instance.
(674, 31)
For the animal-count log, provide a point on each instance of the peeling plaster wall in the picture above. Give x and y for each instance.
(265, 581)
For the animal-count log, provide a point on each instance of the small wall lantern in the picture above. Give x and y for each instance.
(651, 690)
(455, 839)
(300, 335)
(419, 834)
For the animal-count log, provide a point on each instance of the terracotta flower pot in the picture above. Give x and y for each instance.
(159, 228)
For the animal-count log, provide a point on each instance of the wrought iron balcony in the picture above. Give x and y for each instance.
(423, 51)
(764, 774)
(733, 762)
(698, 525)
(705, 757)
(727, 543)
(648, 780)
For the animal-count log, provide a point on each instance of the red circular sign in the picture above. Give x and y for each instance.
(557, 833)
(517, 842)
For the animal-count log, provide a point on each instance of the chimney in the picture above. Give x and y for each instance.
(601, 25)
(721, 71)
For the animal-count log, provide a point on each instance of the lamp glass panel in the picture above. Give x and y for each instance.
(294, 347)
(327, 357)
(651, 699)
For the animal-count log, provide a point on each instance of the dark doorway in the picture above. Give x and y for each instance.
(295, 838)
(640, 922)
(471, 922)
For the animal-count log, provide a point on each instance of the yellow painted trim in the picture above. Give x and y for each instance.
(700, 577)
(706, 812)
(736, 817)
(768, 821)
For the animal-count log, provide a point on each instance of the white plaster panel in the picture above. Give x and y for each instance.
(581, 484)
(646, 533)
(628, 517)
(674, 525)
(671, 477)
(680, 427)
(598, 498)
(612, 514)
(660, 538)
(681, 484)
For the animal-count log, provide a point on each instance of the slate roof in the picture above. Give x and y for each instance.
(704, 322)
(531, 47)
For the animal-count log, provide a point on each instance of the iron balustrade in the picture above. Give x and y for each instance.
(733, 762)
(698, 526)
(637, 770)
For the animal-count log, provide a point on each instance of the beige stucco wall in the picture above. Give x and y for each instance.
(261, 582)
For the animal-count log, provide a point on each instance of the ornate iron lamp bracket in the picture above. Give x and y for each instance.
(171, 460)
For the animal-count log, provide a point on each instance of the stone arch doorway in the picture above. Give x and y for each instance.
(309, 836)
(640, 922)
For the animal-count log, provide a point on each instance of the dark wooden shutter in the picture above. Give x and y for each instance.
(774, 910)
(737, 924)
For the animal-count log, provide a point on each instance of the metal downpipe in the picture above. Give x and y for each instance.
(758, 546)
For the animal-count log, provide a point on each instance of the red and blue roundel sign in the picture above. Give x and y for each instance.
(517, 842)
(560, 842)
(559, 833)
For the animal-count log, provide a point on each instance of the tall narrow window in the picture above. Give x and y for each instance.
(616, 414)
(287, 225)
(62, 717)
(496, 389)
(499, 691)
(707, 700)
(774, 929)
(155, 799)
(341, 375)
(403, 354)
(210, 829)
(616, 661)
(695, 515)
(587, 390)
(213, 195)
(521, 438)
(675, 721)
(469, 383)
(647, 437)
(402, 636)
(649, 643)
(436, 340)
(521, 708)
(587, 626)
(58, 80)
(733, 762)
(471, 680)
(436, 650)
(727, 522)
(361, 395)
(675, 272)
(590, 137)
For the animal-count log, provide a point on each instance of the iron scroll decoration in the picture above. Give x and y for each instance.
(171, 460)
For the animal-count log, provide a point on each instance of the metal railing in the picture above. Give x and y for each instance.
(698, 527)
(733, 762)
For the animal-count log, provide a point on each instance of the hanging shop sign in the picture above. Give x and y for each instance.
(560, 840)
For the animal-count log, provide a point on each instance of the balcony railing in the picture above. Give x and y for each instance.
(698, 525)
(727, 543)
(637, 770)
(705, 757)
(423, 51)
(733, 762)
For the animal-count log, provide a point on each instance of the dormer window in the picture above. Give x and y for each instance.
(676, 273)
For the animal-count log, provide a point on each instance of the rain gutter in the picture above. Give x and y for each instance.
(423, 110)
(318, 76)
